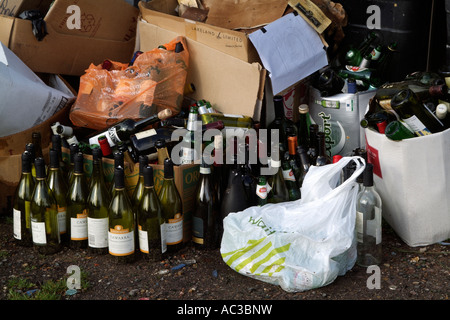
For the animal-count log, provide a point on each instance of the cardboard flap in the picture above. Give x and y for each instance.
(6, 26)
(243, 14)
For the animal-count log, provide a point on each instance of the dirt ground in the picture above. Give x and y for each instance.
(407, 273)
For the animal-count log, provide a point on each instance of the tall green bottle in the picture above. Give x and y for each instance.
(150, 221)
(172, 210)
(22, 202)
(98, 202)
(77, 208)
(121, 231)
(57, 183)
(44, 214)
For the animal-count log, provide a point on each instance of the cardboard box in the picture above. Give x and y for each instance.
(412, 177)
(232, 85)
(14, 8)
(107, 31)
(339, 117)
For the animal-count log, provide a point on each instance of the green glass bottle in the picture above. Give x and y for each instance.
(74, 149)
(77, 209)
(204, 216)
(118, 162)
(290, 181)
(139, 189)
(57, 144)
(29, 147)
(303, 123)
(98, 203)
(172, 210)
(22, 202)
(44, 214)
(262, 191)
(322, 157)
(279, 192)
(150, 222)
(57, 183)
(121, 231)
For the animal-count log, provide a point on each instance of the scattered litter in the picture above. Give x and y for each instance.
(71, 292)
(178, 267)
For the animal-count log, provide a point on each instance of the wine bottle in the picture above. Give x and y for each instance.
(396, 131)
(368, 222)
(122, 130)
(279, 191)
(262, 191)
(161, 150)
(413, 112)
(97, 207)
(313, 148)
(303, 124)
(378, 120)
(292, 159)
(74, 149)
(305, 163)
(36, 140)
(57, 145)
(281, 123)
(118, 162)
(29, 147)
(58, 184)
(204, 216)
(22, 202)
(139, 188)
(77, 208)
(144, 142)
(322, 157)
(189, 152)
(44, 214)
(354, 56)
(290, 181)
(152, 243)
(121, 231)
(172, 210)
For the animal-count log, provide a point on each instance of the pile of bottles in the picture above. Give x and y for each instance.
(417, 106)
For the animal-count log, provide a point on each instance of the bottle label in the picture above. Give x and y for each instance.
(143, 240)
(97, 232)
(174, 230)
(355, 68)
(112, 133)
(62, 220)
(38, 232)
(145, 134)
(78, 226)
(120, 241)
(17, 225)
(262, 191)
(373, 226)
(417, 126)
(288, 175)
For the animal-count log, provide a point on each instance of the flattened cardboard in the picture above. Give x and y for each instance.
(14, 8)
(230, 84)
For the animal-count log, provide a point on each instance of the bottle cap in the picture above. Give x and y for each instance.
(303, 108)
(78, 161)
(143, 161)
(118, 159)
(119, 177)
(168, 168)
(382, 126)
(96, 154)
(39, 163)
(54, 158)
(164, 114)
(104, 145)
(64, 130)
(73, 150)
(368, 175)
(26, 161)
(441, 111)
(160, 143)
(336, 158)
(148, 176)
(56, 141)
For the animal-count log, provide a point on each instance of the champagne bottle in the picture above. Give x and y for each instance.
(58, 184)
(77, 208)
(279, 191)
(413, 112)
(262, 191)
(122, 130)
(118, 162)
(29, 147)
(121, 231)
(22, 202)
(189, 152)
(172, 210)
(44, 214)
(303, 124)
(97, 207)
(57, 145)
(368, 222)
(151, 231)
(322, 157)
(139, 189)
(204, 216)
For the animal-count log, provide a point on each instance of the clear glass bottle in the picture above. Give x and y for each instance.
(368, 222)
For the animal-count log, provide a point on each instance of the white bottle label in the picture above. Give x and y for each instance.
(174, 230)
(417, 126)
(78, 227)
(373, 226)
(17, 226)
(145, 134)
(97, 232)
(263, 191)
(120, 241)
(143, 240)
(288, 175)
(38, 232)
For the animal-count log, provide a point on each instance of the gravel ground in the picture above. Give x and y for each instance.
(407, 273)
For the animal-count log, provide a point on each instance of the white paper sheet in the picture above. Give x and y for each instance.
(25, 100)
(290, 50)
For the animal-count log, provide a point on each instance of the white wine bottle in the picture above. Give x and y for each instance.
(22, 202)
(172, 211)
(44, 214)
(97, 205)
(121, 231)
(150, 222)
(77, 209)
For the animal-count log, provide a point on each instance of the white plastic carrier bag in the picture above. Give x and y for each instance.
(298, 245)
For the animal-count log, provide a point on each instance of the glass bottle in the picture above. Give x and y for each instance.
(395, 130)
(172, 210)
(322, 157)
(77, 208)
(74, 149)
(152, 243)
(354, 56)
(97, 207)
(105, 147)
(44, 214)
(313, 148)
(281, 123)
(262, 191)
(57, 145)
(121, 231)
(189, 150)
(205, 215)
(303, 124)
(161, 150)
(36, 139)
(305, 163)
(406, 104)
(29, 147)
(368, 222)
(118, 162)
(290, 181)
(22, 202)
(279, 191)
(58, 184)
(292, 159)
(122, 130)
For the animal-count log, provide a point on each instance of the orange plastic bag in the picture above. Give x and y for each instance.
(154, 82)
